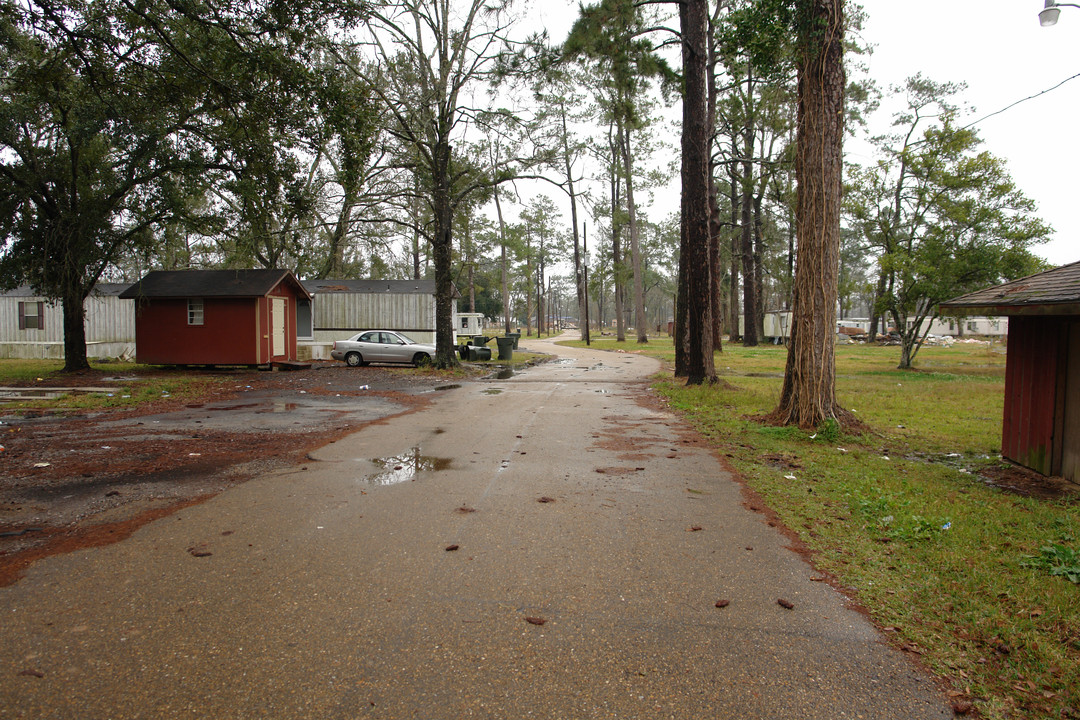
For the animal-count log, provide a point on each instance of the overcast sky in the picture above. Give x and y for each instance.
(998, 48)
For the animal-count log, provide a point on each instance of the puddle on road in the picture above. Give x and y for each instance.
(504, 374)
(493, 391)
(564, 361)
(405, 467)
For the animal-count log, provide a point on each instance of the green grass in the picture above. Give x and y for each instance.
(148, 383)
(974, 578)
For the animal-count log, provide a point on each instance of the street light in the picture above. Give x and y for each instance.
(1049, 14)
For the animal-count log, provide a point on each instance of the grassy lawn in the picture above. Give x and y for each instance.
(951, 567)
(141, 384)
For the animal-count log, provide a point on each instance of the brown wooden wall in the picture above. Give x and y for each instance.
(1039, 428)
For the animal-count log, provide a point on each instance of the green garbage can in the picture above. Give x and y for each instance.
(479, 353)
(515, 336)
(506, 347)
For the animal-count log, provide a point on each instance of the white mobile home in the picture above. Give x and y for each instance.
(32, 326)
(341, 308)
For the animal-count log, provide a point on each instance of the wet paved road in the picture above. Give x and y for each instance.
(333, 590)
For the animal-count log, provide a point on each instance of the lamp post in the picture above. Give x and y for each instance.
(1049, 14)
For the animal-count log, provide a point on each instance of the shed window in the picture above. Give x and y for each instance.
(464, 323)
(194, 312)
(31, 315)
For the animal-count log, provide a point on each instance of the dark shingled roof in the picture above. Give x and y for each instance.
(1053, 292)
(209, 283)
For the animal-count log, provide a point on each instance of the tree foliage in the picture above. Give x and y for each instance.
(943, 217)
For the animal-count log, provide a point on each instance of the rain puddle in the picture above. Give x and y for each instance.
(504, 374)
(564, 361)
(405, 467)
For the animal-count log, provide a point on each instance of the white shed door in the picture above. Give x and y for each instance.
(277, 320)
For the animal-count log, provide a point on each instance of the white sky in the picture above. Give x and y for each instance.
(998, 48)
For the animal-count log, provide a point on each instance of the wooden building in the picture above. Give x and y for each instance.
(1041, 424)
(32, 326)
(216, 317)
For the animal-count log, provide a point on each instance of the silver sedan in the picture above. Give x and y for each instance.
(381, 346)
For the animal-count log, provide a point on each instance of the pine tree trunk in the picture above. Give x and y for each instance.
(693, 21)
(641, 324)
(808, 397)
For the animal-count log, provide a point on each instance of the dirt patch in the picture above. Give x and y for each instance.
(69, 481)
(1021, 481)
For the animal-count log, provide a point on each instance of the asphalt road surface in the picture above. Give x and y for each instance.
(545, 546)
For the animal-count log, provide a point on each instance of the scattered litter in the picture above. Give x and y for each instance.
(199, 550)
(947, 526)
(813, 436)
(786, 604)
(194, 454)
(965, 471)
(318, 527)
(789, 477)
(953, 455)
(535, 620)
(303, 392)
(364, 387)
(106, 447)
(884, 457)
(843, 450)
(901, 427)
(41, 465)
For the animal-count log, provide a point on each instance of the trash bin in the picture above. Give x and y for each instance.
(479, 353)
(480, 340)
(516, 336)
(506, 347)
(463, 351)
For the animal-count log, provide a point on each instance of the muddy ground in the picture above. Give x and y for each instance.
(69, 481)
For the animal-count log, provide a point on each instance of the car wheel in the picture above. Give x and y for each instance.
(354, 359)
(421, 359)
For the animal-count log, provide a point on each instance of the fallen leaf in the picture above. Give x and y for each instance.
(962, 707)
(199, 551)
(786, 604)
(452, 548)
(546, 499)
(534, 620)
(30, 672)
(695, 528)
(722, 603)
(465, 510)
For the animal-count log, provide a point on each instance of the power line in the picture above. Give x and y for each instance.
(1030, 97)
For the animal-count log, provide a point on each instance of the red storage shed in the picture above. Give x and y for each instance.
(216, 317)
(1041, 426)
